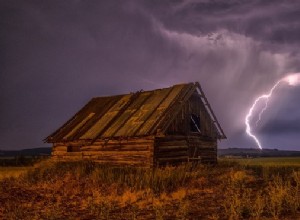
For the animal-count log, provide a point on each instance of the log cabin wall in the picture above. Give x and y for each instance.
(133, 151)
(200, 141)
(170, 150)
(202, 150)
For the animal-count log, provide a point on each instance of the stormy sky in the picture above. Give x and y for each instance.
(56, 55)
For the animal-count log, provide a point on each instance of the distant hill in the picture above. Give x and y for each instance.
(26, 152)
(252, 152)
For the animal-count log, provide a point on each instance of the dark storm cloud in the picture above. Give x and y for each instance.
(274, 21)
(56, 55)
(281, 126)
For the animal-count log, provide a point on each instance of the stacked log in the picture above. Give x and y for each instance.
(206, 149)
(122, 152)
(170, 151)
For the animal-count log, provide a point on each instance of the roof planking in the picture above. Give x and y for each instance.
(135, 114)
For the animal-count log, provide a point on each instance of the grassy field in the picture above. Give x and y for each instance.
(7, 172)
(233, 189)
(268, 161)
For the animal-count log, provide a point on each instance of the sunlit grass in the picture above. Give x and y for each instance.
(268, 161)
(230, 190)
(7, 172)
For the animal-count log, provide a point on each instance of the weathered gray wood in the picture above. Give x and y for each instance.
(181, 158)
(125, 141)
(172, 154)
(127, 163)
(172, 143)
(59, 148)
(172, 148)
(57, 153)
(115, 153)
(116, 148)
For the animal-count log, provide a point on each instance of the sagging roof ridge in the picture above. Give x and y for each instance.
(141, 90)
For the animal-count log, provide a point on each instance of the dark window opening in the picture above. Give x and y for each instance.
(73, 149)
(195, 123)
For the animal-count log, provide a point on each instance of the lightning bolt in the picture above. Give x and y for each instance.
(262, 111)
(250, 113)
(292, 79)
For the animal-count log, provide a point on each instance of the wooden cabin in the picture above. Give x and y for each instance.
(146, 128)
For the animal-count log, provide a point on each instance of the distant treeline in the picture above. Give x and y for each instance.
(20, 160)
(26, 152)
(251, 152)
(25, 157)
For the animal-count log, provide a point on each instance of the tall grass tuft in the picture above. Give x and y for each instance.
(165, 179)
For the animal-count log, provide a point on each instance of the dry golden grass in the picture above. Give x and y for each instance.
(7, 172)
(84, 190)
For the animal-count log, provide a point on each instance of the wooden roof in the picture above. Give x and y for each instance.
(135, 114)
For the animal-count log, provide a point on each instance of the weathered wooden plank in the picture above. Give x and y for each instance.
(171, 151)
(136, 110)
(71, 154)
(74, 153)
(172, 148)
(106, 118)
(123, 158)
(171, 163)
(59, 148)
(125, 143)
(79, 125)
(172, 143)
(116, 148)
(58, 145)
(71, 157)
(191, 140)
(200, 140)
(67, 143)
(115, 153)
(145, 140)
(157, 114)
(183, 158)
(171, 138)
(127, 163)
(117, 157)
(201, 144)
(172, 154)
(57, 153)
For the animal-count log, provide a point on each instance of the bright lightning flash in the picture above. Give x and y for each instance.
(292, 79)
